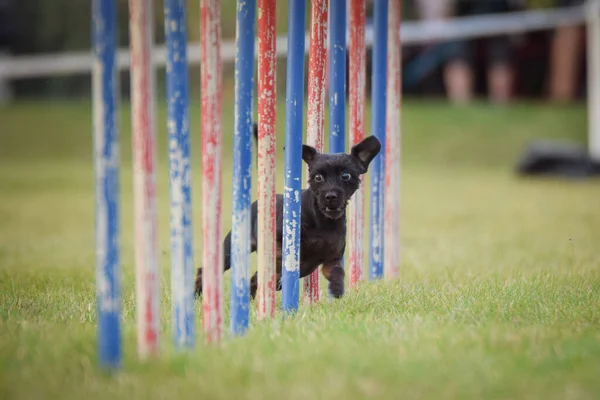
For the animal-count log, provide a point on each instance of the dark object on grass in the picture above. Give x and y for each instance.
(549, 158)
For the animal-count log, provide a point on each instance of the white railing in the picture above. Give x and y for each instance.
(48, 65)
(61, 64)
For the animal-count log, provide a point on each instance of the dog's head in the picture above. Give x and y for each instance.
(333, 178)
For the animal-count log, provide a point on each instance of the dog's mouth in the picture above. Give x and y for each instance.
(333, 212)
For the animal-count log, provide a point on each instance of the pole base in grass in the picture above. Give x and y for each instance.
(560, 159)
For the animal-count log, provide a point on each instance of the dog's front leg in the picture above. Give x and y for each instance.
(334, 273)
(254, 284)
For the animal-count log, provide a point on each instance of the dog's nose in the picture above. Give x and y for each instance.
(331, 197)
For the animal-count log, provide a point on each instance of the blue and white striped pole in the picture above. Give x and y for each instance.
(182, 260)
(242, 164)
(337, 76)
(378, 104)
(106, 160)
(293, 156)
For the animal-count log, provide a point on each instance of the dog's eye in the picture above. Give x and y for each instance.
(346, 176)
(318, 178)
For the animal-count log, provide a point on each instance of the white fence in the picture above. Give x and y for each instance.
(49, 65)
(61, 64)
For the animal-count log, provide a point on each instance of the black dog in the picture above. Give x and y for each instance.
(333, 179)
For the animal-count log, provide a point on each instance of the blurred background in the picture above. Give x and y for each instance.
(481, 80)
(544, 64)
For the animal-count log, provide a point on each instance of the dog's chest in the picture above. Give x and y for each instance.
(322, 246)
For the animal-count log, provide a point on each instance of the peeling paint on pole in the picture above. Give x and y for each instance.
(144, 161)
(266, 158)
(393, 143)
(378, 118)
(212, 249)
(290, 279)
(242, 163)
(357, 52)
(182, 261)
(315, 121)
(106, 166)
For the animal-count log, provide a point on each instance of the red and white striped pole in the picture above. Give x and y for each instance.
(212, 259)
(144, 160)
(317, 60)
(357, 52)
(267, 101)
(391, 264)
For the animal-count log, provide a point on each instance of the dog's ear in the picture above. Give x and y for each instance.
(366, 151)
(308, 153)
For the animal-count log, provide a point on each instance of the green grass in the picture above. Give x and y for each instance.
(499, 295)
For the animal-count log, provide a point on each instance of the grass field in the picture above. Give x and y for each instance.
(499, 295)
